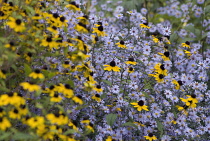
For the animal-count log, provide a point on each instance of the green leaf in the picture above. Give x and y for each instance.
(160, 127)
(146, 95)
(4, 136)
(70, 131)
(71, 83)
(27, 69)
(207, 9)
(130, 124)
(107, 82)
(111, 118)
(23, 136)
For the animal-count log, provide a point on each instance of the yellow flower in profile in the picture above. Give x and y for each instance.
(73, 125)
(73, 6)
(158, 77)
(99, 30)
(150, 137)
(57, 118)
(3, 74)
(79, 57)
(78, 99)
(94, 39)
(144, 25)
(130, 69)
(186, 44)
(165, 55)
(4, 123)
(16, 24)
(67, 90)
(96, 97)
(80, 27)
(140, 105)
(121, 44)
(112, 67)
(190, 101)
(109, 138)
(90, 127)
(131, 61)
(98, 88)
(30, 86)
(53, 29)
(36, 74)
(177, 84)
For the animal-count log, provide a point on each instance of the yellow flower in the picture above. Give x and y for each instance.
(98, 88)
(4, 123)
(73, 6)
(144, 25)
(36, 74)
(186, 44)
(177, 84)
(30, 86)
(79, 57)
(73, 125)
(131, 61)
(158, 77)
(165, 55)
(14, 114)
(11, 98)
(78, 99)
(190, 101)
(34, 122)
(94, 39)
(150, 137)
(140, 105)
(56, 98)
(99, 30)
(121, 44)
(130, 69)
(53, 29)
(11, 45)
(3, 74)
(84, 19)
(90, 127)
(160, 69)
(49, 42)
(96, 97)
(57, 118)
(109, 138)
(67, 90)
(80, 27)
(88, 86)
(112, 67)
(16, 24)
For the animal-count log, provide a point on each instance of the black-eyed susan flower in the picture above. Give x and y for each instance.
(80, 27)
(90, 127)
(140, 105)
(144, 25)
(57, 118)
(83, 19)
(2, 112)
(67, 91)
(78, 99)
(31, 87)
(131, 61)
(11, 98)
(96, 97)
(53, 29)
(23, 109)
(112, 67)
(63, 21)
(11, 45)
(130, 69)
(73, 124)
(98, 88)
(177, 84)
(49, 42)
(14, 114)
(99, 30)
(183, 109)
(88, 86)
(17, 24)
(3, 15)
(186, 44)
(79, 57)
(66, 64)
(165, 55)
(191, 101)
(36, 121)
(160, 69)
(150, 137)
(50, 90)
(3, 74)
(55, 97)
(94, 39)
(4, 123)
(28, 56)
(121, 44)
(36, 74)
(158, 77)
(109, 138)
(73, 6)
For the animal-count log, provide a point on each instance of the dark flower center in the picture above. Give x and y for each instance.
(96, 39)
(2, 13)
(29, 54)
(79, 96)
(141, 103)
(146, 23)
(130, 69)
(122, 42)
(162, 67)
(1, 110)
(11, 43)
(3, 71)
(55, 15)
(131, 59)
(180, 82)
(37, 71)
(150, 135)
(100, 28)
(16, 111)
(36, 15)
(18, 21)
(187, 42)
(98, 86)
(166, 54)
(66, 62)
(52, 87)
(81, 24)
(161, 76)
(53, 27)
(97, 95)
(112, 63)
(62, 19)
(1, 119)
(56, 95)
(193, 95)
(67, 86)
(10, 94)
(22, 106)
(49, 39)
